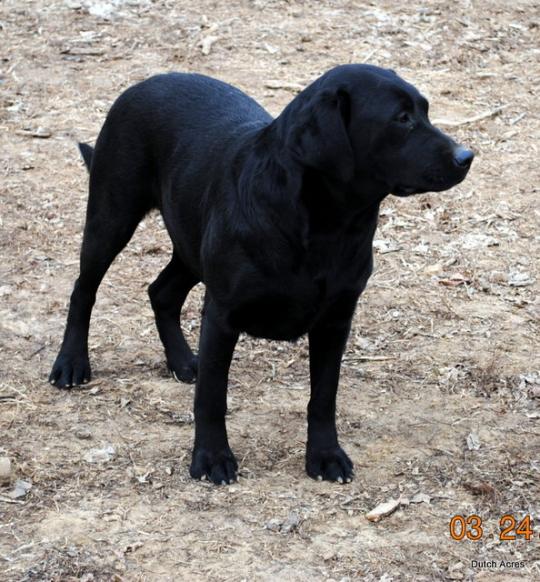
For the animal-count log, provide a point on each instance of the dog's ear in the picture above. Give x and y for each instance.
(318, 137)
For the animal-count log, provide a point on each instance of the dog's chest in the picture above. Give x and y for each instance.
(288, 302)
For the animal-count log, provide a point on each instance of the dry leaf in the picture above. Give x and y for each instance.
(21, 489)
(519, 279)
(481, 488)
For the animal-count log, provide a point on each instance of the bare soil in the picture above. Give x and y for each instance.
(440, 386)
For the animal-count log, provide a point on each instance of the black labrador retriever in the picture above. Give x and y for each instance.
(275, 216)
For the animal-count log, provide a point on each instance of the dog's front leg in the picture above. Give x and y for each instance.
(212, 456)
(325, 459)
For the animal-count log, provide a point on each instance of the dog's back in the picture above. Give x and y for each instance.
(179, 118)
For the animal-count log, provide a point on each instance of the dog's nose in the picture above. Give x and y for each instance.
(463, 157)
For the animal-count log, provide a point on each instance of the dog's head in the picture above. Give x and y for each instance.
(364, 122)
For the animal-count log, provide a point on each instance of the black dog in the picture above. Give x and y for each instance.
(275, 216)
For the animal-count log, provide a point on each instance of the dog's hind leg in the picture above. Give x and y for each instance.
(116, 204)
(167, 295)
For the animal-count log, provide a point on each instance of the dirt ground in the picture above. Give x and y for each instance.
(439, 398)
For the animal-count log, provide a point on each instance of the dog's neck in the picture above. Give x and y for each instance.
(276, 179)
(337, 207)
(360, 194)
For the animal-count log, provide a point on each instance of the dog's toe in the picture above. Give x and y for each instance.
(329, 465)
(184, 372)
(69, 371)
(220, 466)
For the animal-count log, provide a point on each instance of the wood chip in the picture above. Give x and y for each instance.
(454, 280)
(5, 469)
(383, 509)
(82, 52)
(276, 84)
(473, 442)
(420, 498)
(206, 44)
(39, 132)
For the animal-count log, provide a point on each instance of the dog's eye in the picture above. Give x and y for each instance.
(404, 118)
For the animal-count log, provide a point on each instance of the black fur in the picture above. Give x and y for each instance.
(275, 216)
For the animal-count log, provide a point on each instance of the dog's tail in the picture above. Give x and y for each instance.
(87, 152)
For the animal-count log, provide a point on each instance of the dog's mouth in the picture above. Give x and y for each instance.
(404, 191)
(432, 183)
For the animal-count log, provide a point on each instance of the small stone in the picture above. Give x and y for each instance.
(83, 433)
(100, 455)
(273, 525)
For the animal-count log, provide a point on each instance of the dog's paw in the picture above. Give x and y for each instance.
(70, 370)
(329, 465)
(184, 372)
(219, 466)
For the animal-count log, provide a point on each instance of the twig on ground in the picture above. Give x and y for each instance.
(474, 119)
